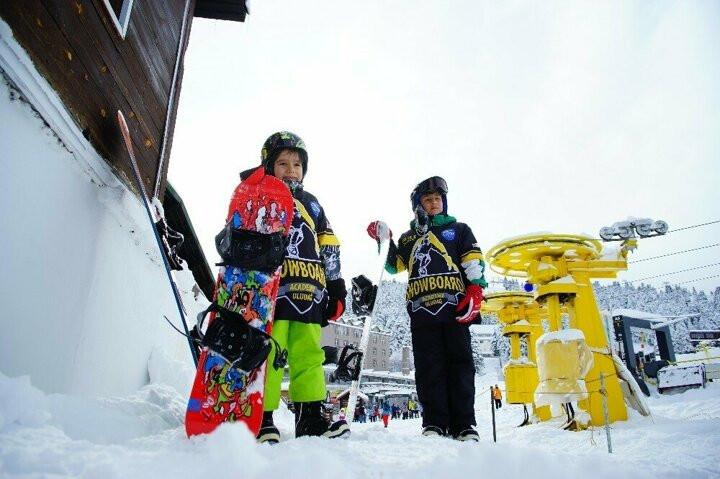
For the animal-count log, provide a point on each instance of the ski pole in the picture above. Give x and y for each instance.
(492, 410)
(603, 392)
(146, 202)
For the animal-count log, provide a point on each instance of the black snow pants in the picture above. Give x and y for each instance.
(445, 374)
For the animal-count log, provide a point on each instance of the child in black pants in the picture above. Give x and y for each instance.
(445, 288)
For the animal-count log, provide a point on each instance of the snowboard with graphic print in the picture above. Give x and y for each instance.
(261, 207)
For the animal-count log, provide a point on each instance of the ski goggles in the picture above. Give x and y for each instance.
(433, 184)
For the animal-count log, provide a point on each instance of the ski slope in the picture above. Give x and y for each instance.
(142, 436)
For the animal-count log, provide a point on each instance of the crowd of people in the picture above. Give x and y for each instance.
(378, 411)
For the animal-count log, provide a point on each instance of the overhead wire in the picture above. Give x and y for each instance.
(707, 223)
(676, 252)
(699, 279)
(694, 226)
(674, 272)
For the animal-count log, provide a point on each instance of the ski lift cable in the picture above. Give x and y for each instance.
(699, 279)
(676, 252)
(694, 226)
(674, 272)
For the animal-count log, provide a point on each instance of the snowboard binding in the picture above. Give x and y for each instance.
(349, 365)
(236, 342)
(172, 241)
(251, 250)
(363, 295)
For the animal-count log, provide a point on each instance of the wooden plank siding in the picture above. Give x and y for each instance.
(76, 47)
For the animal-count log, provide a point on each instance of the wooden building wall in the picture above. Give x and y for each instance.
(77, 48)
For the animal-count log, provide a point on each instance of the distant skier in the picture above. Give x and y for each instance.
(497, 397)
(445, 287)
(386, 413)
(312, 292)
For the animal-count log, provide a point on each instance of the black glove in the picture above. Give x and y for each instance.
(422, 220)
(336, 300)
(363, 294)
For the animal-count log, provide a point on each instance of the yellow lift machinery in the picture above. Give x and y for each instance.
(521, 317)
(565, 363)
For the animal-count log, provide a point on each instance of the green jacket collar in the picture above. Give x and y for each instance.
(437, 220)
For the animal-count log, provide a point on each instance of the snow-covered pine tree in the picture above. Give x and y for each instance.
(476, 348)
(672, 300)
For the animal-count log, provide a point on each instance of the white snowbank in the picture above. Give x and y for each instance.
(82, 283)
(142, 436)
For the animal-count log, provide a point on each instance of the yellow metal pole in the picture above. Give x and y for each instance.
(554, 314)
(515, 346)
(591, 325)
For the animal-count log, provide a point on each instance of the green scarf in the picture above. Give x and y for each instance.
(437, 220)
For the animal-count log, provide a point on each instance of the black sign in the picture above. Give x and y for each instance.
(704, 335)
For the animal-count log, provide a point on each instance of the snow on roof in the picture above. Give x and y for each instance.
(347, 392)
(634, 313)
(399, 392)
(389, 374)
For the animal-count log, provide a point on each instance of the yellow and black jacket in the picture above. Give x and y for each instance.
(440, 265)
(312, 259)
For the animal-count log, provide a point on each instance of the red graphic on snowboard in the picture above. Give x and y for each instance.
(222, 393)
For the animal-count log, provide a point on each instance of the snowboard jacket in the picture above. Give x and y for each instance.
(440, 263)
(312, 259)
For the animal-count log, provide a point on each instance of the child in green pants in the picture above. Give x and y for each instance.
(312, 292)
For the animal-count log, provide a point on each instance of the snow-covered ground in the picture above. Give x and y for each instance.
(142, 436)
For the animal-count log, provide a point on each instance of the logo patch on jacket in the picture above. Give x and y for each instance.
(448, 234)
(316, 208)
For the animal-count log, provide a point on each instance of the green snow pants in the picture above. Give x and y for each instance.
(305, 359)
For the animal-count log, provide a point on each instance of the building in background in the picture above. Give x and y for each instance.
(342, 332)
(80, 267)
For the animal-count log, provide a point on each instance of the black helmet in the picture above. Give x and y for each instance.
(282, 140)
(434, 184)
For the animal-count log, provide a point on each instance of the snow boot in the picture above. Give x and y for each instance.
(268, 432)
(309, 421)
(433, 431)
(465, 434)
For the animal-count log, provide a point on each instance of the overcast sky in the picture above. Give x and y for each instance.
(556, 116)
